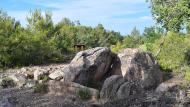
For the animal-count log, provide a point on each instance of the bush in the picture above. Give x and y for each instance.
(143, 47)
(40, 88)
(116, 48)
(186, 71)
(132, 41)
(84, 94)
(172, 54)
(187, 75)
(45, 79)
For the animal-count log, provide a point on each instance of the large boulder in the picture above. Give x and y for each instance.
(116, 87)
(168, 85)
(147, 99)
(137, 65)
(87, 66)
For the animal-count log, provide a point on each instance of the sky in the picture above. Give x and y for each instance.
(118, 15)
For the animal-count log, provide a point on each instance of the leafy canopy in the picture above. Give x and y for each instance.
(173, 15)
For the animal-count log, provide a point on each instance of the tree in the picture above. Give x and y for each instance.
(45, 42)
(38, 22)
(7, 29)
(42, 42)
(172, 56)
(133, 40)
(173, 15)
(135, 32)
(116, 48)
(151, 34)
(68, 22)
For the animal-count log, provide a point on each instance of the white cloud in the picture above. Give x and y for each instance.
(98, 10)
(146, 18)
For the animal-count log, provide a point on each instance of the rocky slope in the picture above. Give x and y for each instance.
(94, 78)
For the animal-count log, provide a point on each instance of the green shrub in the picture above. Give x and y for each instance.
(132, 41)
(143, 47)
(116, 48)
(84, 94)
(187, 76)
(40, 88)
(172, 54)
(45, 79)
(186, 71)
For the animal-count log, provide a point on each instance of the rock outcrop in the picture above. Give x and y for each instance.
(168, 85)
(92, 66)
(137, 65)
(87, 66)
(116, 87)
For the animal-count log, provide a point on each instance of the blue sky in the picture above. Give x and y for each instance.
(117, 15)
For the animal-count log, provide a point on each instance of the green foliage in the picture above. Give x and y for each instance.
(135, 32)
(45, 79)
(172, 54)
(28, 46)
(40, 88)
(39, 23)
(69, 34)
(133, 40)
(7, 28)
(151, 34)
(143, 47)
(187, 73)
(84, 93)
(116, 48)
(45, 42)
(171, 14)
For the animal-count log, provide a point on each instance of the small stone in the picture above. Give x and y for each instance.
(57, 75)
(40, 81)
(23, 70)
(30, 83)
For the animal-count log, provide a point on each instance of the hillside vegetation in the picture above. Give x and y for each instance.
(43, 41)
